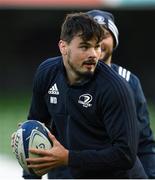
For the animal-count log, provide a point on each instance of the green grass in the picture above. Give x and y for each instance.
(151, 108)
(14, 109)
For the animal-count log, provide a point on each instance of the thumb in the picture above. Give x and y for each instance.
(52, 138)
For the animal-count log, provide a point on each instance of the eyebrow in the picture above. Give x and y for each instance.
(84, 43)
(88, 44)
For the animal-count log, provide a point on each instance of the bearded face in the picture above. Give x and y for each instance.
(80, 57)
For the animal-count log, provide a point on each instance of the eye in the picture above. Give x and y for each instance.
(84, 47)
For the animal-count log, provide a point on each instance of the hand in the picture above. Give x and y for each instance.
(13, 135)
(49, 159)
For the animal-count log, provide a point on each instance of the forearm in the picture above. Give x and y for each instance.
(107, 159)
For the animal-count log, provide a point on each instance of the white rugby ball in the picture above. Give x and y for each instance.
(31, 134)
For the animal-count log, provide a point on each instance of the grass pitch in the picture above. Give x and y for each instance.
(13, 110)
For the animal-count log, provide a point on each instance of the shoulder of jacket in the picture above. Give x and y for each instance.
(111, 75)
(126, 74)
(50, 62)
(48, 65)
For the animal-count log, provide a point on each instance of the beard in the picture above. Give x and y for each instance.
(80, 74)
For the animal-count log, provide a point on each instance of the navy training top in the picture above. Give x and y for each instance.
(95, 120)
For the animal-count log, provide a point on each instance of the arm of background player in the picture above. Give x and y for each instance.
(146, 148)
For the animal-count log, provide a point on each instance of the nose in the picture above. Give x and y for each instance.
(93, 53)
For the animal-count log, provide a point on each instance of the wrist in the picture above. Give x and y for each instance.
(66, 157)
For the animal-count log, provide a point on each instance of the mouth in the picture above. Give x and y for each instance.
(89, 65)
(89, 62)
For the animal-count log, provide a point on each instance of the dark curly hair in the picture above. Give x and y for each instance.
(82, 25)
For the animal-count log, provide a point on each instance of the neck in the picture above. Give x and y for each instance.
(74, 79)
(72, 76)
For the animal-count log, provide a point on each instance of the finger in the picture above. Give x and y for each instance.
(40, 166)
(38, 173)
(52, 137)
(36, 160)
(41, 172)
(42, 169)
(41, 152)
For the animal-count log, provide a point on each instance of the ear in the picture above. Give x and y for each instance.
(63, 47)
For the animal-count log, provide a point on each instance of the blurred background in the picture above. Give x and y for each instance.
(29, 34)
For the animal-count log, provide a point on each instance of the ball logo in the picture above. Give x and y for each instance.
(36, 138)
(40, 146)
(85, 100)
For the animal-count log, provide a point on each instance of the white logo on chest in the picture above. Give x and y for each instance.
(54, 90)
(53, 100)
(85, 100)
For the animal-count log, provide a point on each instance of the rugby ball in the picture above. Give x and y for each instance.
(31, 134)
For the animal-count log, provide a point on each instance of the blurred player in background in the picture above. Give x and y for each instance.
(146, 147)
(89, 108)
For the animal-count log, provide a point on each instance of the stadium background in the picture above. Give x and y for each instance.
(29, 33)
